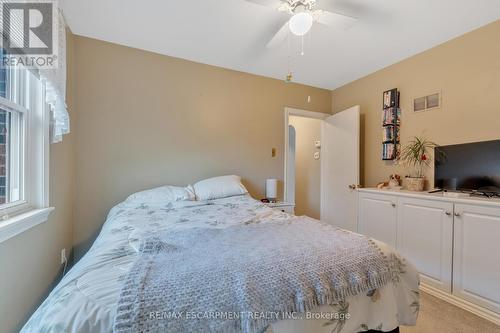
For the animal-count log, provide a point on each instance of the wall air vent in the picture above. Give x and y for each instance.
(426, 103)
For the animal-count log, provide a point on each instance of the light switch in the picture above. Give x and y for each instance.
(317, 144)
(273, 152)
(316, 155)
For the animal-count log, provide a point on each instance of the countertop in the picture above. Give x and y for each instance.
(440, 196)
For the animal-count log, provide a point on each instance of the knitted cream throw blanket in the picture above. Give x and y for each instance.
(242, 278)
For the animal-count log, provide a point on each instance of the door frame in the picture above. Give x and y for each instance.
(298, 113)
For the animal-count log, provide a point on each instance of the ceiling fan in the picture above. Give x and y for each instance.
(303, 14)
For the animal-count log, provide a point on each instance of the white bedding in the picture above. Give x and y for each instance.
(86, 298)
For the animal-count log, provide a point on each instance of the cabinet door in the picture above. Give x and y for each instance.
(476, 264)
(378, 216)
(425, 238)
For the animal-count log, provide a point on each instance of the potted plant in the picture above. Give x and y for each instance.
(416, 155)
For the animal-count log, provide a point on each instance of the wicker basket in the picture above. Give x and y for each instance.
(415, 184)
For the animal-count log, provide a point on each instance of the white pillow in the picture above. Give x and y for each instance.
(163, 195)
(219, 187)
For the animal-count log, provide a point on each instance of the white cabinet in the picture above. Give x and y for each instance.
(425, 238)
(378, 217)
(476, 264)
(453, 242)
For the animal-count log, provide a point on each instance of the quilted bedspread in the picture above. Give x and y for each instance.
(86, 299)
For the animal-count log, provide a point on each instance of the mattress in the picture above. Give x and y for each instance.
(86, 298)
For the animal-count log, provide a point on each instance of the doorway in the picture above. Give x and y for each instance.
(305, 164)
(322, 164)
(302, 185)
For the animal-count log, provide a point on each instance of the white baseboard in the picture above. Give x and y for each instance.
(461, 303)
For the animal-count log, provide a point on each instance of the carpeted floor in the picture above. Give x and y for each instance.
(437, 316)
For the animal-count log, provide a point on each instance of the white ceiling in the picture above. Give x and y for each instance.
(234, 33)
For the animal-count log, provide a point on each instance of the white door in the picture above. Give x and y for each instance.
(425, 238)
(378, 216)
(476, 268)
(340, 137)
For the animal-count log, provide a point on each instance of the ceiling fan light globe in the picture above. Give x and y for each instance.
(300, 23)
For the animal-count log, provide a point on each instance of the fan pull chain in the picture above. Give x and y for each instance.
(302, 43)
(289, 75)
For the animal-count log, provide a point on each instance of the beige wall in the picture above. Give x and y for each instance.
(466, 69)
(146, 119)
(30, 261)
(307, 169)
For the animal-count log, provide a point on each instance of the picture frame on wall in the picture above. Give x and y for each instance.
(391, 98)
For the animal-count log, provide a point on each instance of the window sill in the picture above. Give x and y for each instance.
(19, 223)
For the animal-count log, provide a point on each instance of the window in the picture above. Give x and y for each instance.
(24, 135)
(11, 155)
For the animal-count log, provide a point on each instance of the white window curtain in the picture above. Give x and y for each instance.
(55, 88)
(55, 83)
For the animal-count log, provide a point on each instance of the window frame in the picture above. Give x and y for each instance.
(33, 209)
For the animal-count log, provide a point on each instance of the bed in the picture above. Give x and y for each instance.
(86, 299)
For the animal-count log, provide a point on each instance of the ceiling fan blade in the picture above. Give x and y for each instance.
(333, 7)
(279, 37)
(268, 3)
(334, 20)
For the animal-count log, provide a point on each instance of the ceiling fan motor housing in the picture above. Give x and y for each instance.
(297, 6)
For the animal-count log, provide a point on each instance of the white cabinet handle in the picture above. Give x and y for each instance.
(448, 213)
(393, 204)
(457, 214)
